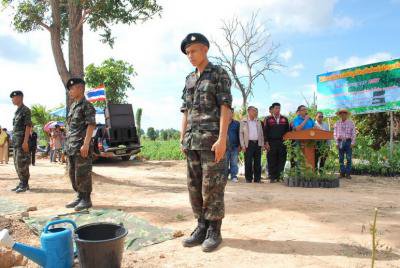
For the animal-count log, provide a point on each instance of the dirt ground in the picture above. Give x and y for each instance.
(266, 225)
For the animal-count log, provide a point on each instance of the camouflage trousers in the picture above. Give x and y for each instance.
(80, 173)
(206, 181)
(21, 163)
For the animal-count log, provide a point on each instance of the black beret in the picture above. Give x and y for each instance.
(194, 38)
(16, 93)
(74, 81)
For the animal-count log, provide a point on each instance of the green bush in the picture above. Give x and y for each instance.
(161, 150)
(375, 162)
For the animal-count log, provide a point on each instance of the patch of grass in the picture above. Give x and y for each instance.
(161, 150)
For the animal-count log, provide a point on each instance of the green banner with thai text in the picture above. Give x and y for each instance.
(364, 89)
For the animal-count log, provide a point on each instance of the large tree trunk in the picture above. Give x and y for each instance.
(75, 43)
(55, 38)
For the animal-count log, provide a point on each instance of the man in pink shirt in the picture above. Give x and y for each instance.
(345, 136)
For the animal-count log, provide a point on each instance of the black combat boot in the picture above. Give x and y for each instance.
(22, 188)
(213, 238)
(85, 202)
(16, 187)
(75, 202)
(198, 235)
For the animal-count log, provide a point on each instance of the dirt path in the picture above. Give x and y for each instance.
(266, 225)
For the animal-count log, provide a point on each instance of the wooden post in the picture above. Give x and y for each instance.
(309, 154)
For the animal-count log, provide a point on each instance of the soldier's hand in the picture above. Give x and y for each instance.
(219, 148)
(183, 150)
(25, 147)
(85, 150)
(244, 149)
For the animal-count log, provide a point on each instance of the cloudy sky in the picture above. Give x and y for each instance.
(315, 37)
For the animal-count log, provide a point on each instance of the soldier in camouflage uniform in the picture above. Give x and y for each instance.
(206, 108)
(22, 128)
(81, 122)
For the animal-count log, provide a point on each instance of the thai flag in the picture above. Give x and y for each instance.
(97, 94)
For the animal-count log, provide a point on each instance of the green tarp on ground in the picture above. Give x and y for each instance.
(140, 232)
(7, 207)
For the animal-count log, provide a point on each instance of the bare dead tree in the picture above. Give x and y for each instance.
(249, 45)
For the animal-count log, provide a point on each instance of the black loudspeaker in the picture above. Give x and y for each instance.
(119, 116)
(123, 134)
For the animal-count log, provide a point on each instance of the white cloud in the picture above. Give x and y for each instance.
(286, 55)
(344, 22)
(302, 15)
(334, 63)
(294, 71)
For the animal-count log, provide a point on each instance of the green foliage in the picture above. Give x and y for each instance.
(168, 134)
(377, 127)
(375, 162)
(161, 150)
(295, 155)
(106, 13)
(100, 15)
(40, 115)
(138, 117)
(152, 134)
(29, 14)
(115, 75)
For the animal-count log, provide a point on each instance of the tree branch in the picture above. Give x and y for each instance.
(85, 16)
(44, 25)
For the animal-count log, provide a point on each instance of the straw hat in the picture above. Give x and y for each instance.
(343, 110)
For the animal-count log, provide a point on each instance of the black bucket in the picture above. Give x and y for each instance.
(100, 245)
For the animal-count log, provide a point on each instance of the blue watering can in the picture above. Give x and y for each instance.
(57, 248)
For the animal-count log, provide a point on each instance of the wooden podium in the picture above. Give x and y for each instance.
(308, 135)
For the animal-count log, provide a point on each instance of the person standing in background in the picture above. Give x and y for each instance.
(321, 152)
(57, 136)
(33, 146)
(51, 146)
(303, 120)
(3, 146)
(345, 136)
(232, 152)
(275, 127)
(252, 142)
(22, 125)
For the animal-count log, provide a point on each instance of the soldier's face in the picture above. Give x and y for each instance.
(76, 91)
(16, 100)
(196, 53)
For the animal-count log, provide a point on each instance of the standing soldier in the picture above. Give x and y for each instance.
(206, 110)
(22, 129)
(81, 122)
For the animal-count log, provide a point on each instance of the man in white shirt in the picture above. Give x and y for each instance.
(251, 141)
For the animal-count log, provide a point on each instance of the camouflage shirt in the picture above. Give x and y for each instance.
(80, 116)
(21, 120)
(202, 99)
